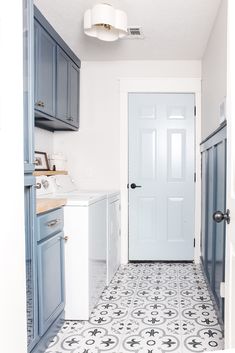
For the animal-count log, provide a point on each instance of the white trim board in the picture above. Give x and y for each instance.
(157, 85)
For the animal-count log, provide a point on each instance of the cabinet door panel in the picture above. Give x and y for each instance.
(211, 210)
(204, 209)
(74, 95)
(30, 261)
(62, 98)
(220, 228)
(50, 280)
(45, 64)
(214, 199)
(28, 85)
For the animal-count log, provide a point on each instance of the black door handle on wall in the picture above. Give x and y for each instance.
(133, 186)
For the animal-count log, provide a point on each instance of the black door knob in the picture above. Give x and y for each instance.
(133, 186)
(219, 216)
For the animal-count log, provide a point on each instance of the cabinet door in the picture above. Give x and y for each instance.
(30, 262)
(50, 280)
(220, 228)
(213, 200)
(74, 82)
(45, 70)
(210, 209)
(62, 85)
(28, 86)
(204, 208)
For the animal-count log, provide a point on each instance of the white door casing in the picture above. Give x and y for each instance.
(230, 232)
(157, 85)
(161, 161)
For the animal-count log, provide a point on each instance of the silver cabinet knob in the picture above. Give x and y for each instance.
(40, 104)
(219, 216)
(53, 223)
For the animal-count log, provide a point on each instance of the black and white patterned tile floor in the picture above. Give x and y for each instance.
(147, 308)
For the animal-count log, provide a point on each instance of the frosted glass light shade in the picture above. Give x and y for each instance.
(105, 23)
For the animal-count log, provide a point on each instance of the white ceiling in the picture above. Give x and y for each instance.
(173, 29)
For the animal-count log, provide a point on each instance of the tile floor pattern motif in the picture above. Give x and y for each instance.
(147, 308)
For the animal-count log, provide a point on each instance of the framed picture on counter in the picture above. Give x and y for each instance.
(41, 161)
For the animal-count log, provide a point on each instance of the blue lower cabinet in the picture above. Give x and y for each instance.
(51, 294)
(31, 262)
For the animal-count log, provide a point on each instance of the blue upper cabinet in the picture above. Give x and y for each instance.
(67, 89)
(45, 71)
(57, 73)
(62, 91)
(74, 86)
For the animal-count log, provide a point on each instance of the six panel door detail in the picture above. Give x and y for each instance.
(162, 161)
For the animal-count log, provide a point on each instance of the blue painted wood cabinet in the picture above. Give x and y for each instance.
(45, 302)
(45, 72)
(29, 179)
(214, 199)
(50, 257)
(57, 79)
(28, 92)
(67, 89)
(31, 263)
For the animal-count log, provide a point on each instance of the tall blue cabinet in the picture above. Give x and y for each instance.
(29, 179)
(213, 233)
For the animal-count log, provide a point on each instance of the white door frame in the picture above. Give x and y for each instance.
(230, 202)
(157, 85)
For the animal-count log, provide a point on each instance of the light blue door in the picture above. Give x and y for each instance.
(161, 176)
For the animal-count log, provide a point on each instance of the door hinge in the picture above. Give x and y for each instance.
(195, 177)
(195, 110)
(222, 289)
(194, 242)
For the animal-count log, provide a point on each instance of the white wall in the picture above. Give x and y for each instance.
(12, 249)
(93, 152)
(43, 140)
(214, 71)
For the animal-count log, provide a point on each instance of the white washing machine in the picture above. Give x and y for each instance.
(85, 227)
(113, 245)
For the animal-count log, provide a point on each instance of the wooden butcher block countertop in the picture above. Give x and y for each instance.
(44, 205)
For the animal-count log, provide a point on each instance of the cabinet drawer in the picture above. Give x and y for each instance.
(50, 223)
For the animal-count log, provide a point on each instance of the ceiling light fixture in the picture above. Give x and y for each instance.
(105, 23)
